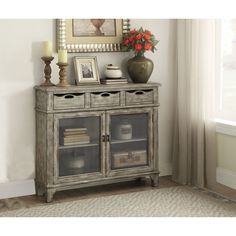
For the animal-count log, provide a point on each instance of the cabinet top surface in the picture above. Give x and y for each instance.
(95, 87)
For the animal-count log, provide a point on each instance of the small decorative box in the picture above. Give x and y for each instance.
(127, 159)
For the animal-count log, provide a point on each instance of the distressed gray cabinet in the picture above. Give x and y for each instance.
(93, 135)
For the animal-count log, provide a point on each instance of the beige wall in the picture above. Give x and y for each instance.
(226, 150)
(21, 68)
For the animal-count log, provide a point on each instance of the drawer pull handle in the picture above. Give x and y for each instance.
(69, 96)
(139, 93)
(105, 94)
(110, 92)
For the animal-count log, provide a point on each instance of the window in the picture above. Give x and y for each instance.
(226, 86)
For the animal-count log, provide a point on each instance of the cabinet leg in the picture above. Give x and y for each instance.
(39, 191)
(49, 195)
(154, 180)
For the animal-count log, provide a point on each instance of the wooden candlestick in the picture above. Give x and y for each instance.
(47, 71)
(63, 75)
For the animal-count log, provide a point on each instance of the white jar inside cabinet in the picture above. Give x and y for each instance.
(123, 130)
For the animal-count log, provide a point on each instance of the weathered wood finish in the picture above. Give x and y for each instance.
(71, 100)
(44, 101)
(54, 103)
(63, 75)
(47, 71)
(155, 138)
(133, 97)
(41, 153)
(105, 99)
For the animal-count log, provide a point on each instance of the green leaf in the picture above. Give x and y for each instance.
(155, 42)
(141, 30)
(124, 48)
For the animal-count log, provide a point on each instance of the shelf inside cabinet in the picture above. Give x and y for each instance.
(78, 145)
(119, 141)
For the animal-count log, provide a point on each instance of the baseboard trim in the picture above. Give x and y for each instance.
(165, 169)
(17, 189)
(226, 177)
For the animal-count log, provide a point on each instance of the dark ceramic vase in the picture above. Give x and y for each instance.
(140, 69)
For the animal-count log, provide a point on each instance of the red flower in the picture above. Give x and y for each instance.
(126, 41)
(138, 36)
(138, 47)
(139, 40)
(148, 32)
(131, 39)
(147, 46)
(146, 36)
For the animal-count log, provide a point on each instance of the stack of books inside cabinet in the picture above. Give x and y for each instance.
(76, 136)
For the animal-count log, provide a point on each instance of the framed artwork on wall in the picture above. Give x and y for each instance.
(91, 35)
(86, 70)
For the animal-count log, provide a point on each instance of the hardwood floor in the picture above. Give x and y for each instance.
(91, 192)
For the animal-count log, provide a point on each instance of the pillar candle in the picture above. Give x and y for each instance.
(62, 56)
(47, 49)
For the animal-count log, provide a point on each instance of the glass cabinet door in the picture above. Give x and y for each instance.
(130, 135)
(78, 147)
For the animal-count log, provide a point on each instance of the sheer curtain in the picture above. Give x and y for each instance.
(194, 152)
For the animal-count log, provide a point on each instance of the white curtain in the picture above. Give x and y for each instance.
(194, 153)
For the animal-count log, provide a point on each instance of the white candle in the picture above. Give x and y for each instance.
(62, 56)
(47, 49)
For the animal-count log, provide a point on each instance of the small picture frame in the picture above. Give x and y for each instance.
(86, 70)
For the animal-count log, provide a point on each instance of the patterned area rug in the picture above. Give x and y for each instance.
(181, 201)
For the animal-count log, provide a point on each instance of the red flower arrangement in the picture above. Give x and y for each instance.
(139, 41)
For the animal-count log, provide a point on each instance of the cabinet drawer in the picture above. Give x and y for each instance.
(103, 99)
(68, 100)
(139, 96)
